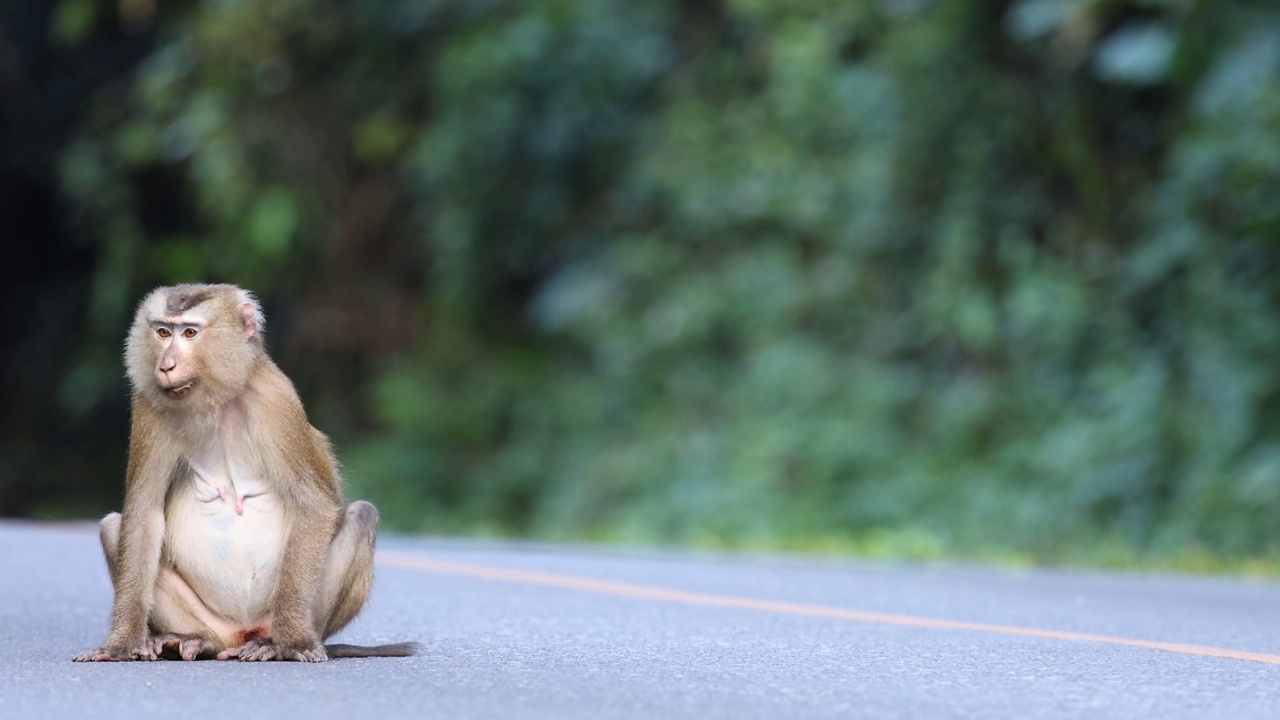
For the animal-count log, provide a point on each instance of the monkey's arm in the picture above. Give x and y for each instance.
(314, 504)
(151, 467)
(293, 627)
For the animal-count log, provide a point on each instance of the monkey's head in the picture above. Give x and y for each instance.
(194, 341)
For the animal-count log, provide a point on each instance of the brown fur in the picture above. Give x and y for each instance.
(213, 411)
(184, 297)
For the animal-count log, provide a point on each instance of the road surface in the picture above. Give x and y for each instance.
(519, 631)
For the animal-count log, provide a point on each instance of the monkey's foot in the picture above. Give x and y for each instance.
(186, 647)
(259, 650)
(115, 653)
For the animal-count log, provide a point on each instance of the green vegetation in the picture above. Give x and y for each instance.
(916, 277)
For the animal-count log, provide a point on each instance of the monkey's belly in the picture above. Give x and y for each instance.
(230, 560)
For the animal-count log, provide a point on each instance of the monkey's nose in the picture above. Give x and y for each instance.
(168, 363)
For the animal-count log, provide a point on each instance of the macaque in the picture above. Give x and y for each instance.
(233, 542)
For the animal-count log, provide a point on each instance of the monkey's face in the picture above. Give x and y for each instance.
(193, 341)
(177, 365)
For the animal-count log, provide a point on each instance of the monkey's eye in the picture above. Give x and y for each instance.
(190, 333)
(163, 333)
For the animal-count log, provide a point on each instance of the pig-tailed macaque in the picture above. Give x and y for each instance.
(233, 541)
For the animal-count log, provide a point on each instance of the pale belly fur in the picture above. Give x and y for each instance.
(230, 557)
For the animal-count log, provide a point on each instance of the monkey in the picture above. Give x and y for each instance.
(233, 541)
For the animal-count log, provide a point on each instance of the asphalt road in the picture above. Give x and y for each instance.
(517, 631)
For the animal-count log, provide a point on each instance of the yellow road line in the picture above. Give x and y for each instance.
(649, 592)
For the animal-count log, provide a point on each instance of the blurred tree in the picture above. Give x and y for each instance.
(59, 412)
(918, 275)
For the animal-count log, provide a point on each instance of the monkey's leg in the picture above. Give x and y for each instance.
(344, 584)
(109, 535)
(185, 647)
(182, 623)
(348, 571)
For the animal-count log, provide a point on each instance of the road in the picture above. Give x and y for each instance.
(524, 631)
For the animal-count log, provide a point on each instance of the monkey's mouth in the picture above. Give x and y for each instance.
(180, 391)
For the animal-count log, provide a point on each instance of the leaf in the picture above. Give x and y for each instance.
(272, 222)
(1137, 53)
(1032, 19)
(73, 21)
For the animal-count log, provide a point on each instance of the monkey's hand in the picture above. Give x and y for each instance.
(116, 653)
(261, 650)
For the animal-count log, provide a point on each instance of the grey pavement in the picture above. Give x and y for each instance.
(503, 649)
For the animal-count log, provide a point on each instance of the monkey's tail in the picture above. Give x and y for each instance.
(403, 649)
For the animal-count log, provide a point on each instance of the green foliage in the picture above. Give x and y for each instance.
(978, 276)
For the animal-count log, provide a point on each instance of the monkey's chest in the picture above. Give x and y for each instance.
(226, 539)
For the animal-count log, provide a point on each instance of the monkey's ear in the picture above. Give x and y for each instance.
(249, 315)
